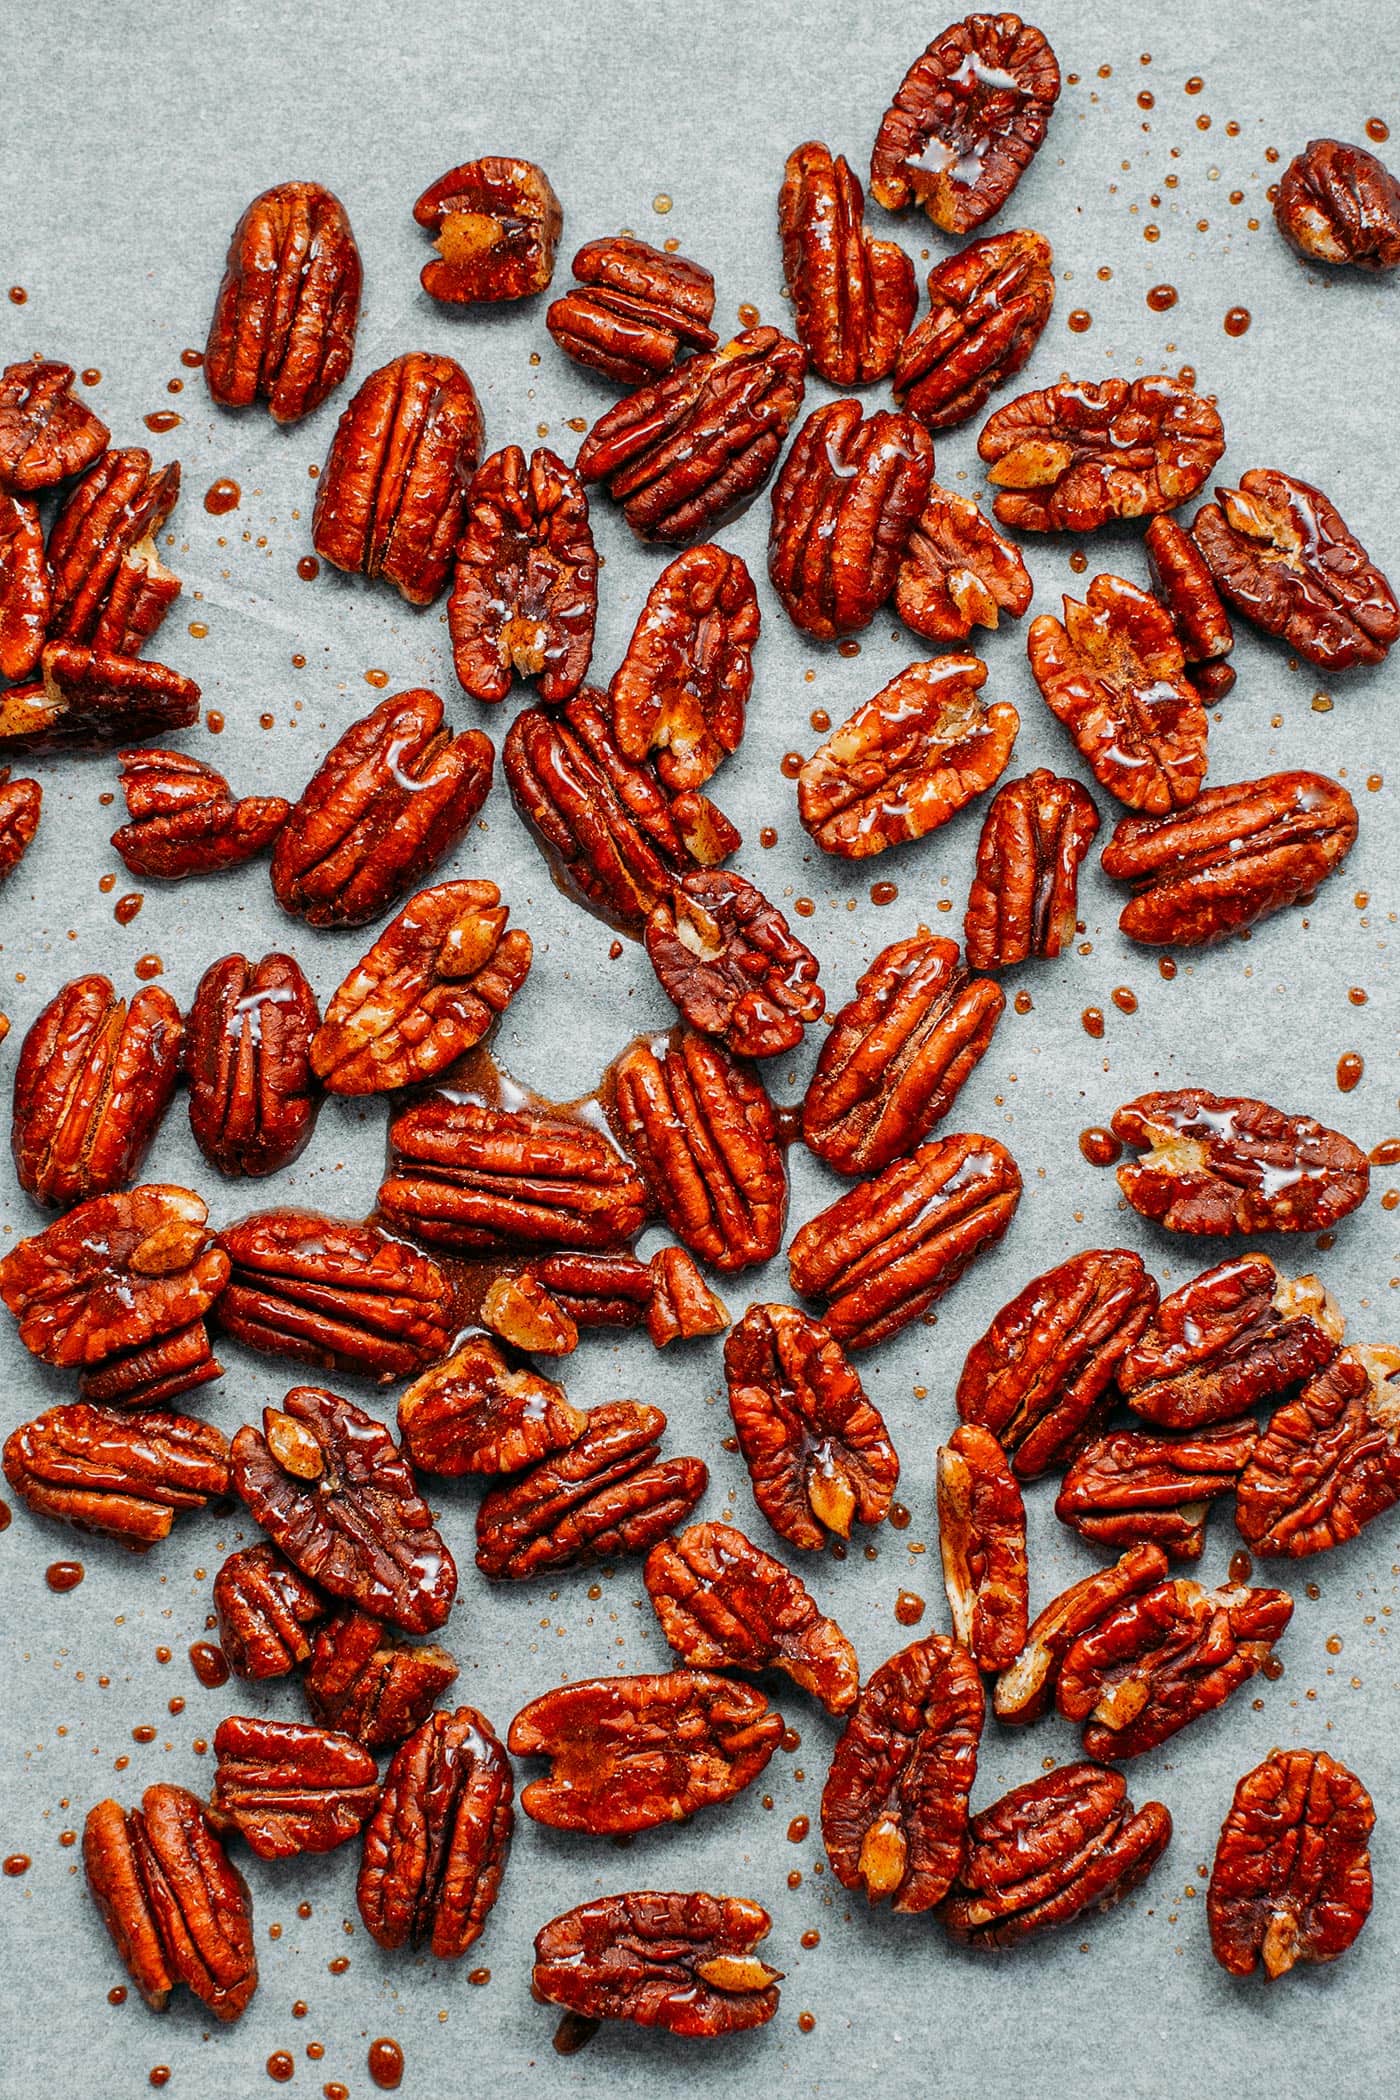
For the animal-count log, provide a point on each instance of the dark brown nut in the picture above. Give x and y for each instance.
(1040, 1378)
(724, 1604)
(1285, 557)
(185, 820)
(819, 1455)
(1329, 1460)
(20, 804)
(525, 592)
(957, 572)
(110, 587)
(474, 1413)
(1026, 1690)
(853, 298)
(682, 1962)
(681, 690)
(153, 1373)
(1025, 893)
(628, 1753)
(1339, 204)
(370, 1686)
(429, 989)
(112, 1274)
(1070, 457)
(982, 1540)
(393, 492)
(284, 322)
(729, 962)
(898, 1055)
(688, 451)
(987, 307)
(265, 1609)
(94, 1079)
(177, 1909)
(704, 1134)
(436, 1848)
(894, 1808)
(46, 434)
(1049, 1850)
(848, 497)
(390, 798)
(247, 1045)
(1129, 1485)
(1216, 1165)
(634, 310)
(607, 1494)
(1185, 587)
(126, 1474)
(1291, 1880)
(888, 1249)
(334, 1492)
(1164, 1658)
(497, 223)
(288, 1789)
(85, 700)
(345, 1297)
(25, 607)
(1231, 1337)
(907, 760)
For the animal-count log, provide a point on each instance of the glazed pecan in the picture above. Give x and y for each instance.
(176, 1908)
(247, 1045)
(1292, 1874)
(185, 820)
(94, 1079)
(344, 1297)
(888, 1249)
(987, 306)
(1025, 892)
(957, 571)
(614, 837)
(46, 434)
(370, 1686)
(431, 986)
(110, 586)
(542, 1307)
(1040, 1377)
(1129, 1485)
(627, 1753)
(1229, 1338)
(153, 1373)
(729, 962)
(1339, 204)
(682, 1307)
(608, 1493)
(1070, 457)
(474, 1413)
(907, 760)
(898, 1054)
(25, 602)
(393, 492)
(284, 322)
(128, 1474)
(634, 309)
(264, 1609)
(333, 1491)
(704, 1134)
(497, 223)
(1185, 588)
(724, 1604)
(1026, 1689)
(1049, 1850)
(525, 591)
(287, 1789)
(848, 497)
(853, 298)
(1216, 1165)
(686, 452)
(982, 1539)
(682, 688)
(1329, 1460)
(85, 700)
(517, 1307)
(894, 1808)
(20, 804)
(1285, 557)
(682, 1962)
(389, 799)
(436, 1848)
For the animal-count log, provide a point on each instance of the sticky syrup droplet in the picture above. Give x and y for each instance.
(63, 1575)
(221, 497)
(1092, 1019)
(1350, 1067)
(1099, 1146)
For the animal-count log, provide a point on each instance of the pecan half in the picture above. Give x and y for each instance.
(25, 603)
(46, 433)
(729, 962)
(370, 1686)
(724, 1604)
(247, 1045)
(634, 309)
(1234, 1335)
(957, 572)
(1216, 1165)
(288, 1789)
(681, 690)
(525, 591)
(110, 586)
(853, 298)
(185, 820)
(898, 1055)
(987, 306)
(1026, 1689)
(497, 222)
(86, 700)
(688, 451)
(153, 1373)
(128, 1474)
(1185, 588)
(847, 499)
(474, 1413)
(1070, 457)
(1329, 1460)
(907, 760)
(682, 1962)
(1291, 1879)
(393, 492)
(333, 1491)
(1130, 1485)
(1339, 204)
(20, 804)
(284, 322)
(436, 1848)
(176, 1908)
(1025, 893)
(94, 1079)
(982, 1541)
(888, 1249)
(1048, 1851)
(264, 1610)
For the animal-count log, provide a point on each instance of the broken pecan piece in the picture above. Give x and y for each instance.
(20, 804)
(1070, 457)
(1130, 1485)
(957, 572)
(1219, 1165)
(128, 1474)
(1329, 1460)
(85, 700)
(1291, 1879)
(1339, 204)
(110, 586)
(681, 690)
(525, 591)
(436, 1847)
(94, 1078)
(177, 1909)
(634, 309)
(541, 1308)
(25, 604)
(371, 1686)
(474, 1413)
(1026, 1689)
(853, 297)
(46, 433)
(729, 962)
(264, 1609)
(247, 1045)
(284, 322)
(1025, 892)
(1185, 588)
(185, 820)
(844, 505)
(1234, 1335)
(682, 1962)
(987, 307)
(153, 1373)
(497, 222)
(982, 1541)
(288, 1789)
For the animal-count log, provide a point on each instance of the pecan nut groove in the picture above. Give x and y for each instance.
(366, 1684)
(1329, 1461)
(731, 965)
(1291, 1880)
(94, 1078)
(247, 1060)
(957, 571)
(1212, 1164)
(284, 322)
(849, 494)
(185, 820)
(685, 1963)
(853, 297)
(1234, 1335)
(127, 1474)
(682, 688)
(176, 1908)
(1339, 204)
(1025, 892)
(435, 1848)
(982, 1542)
(1070, 457)
(987, 308)
(288, 1789)
(1130, 1485)
(633, 310)
(525, 591)
(497, 222)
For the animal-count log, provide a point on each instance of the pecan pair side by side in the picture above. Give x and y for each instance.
(849, 494)
(177, 1909)
(435, 1848)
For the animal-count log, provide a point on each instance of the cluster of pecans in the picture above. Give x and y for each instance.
(506, 1224)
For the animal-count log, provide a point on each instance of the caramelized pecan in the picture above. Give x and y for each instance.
(1129, 1485)
(284, 322)
(682, 1962)
(176, 1908)
(1070, 457)
(436, 1848)
(474, 1413)
(1229, 1338)
(525, 591)
(682, 1307)
(371, 1686)
(288, 1789)
(957, 572)
(987, 306)
(46, 433)
(85, 700)
(497, 223)
(1025, 892)
(1218, 1165)
(25, 604)
(1339, 204)
(128, 1474)
(1183, 585)
(1026, 1689)
(20, 804)
(153, 1373)
(1329, 1460)
(110, 586)
(729, 962)
(519, 1309)
(247, 1045)
(93, 1081)
(542, 1307)
(634, 309)
(264, 1609)
(185, 820)
(853, 298)
(982, 1540)
(848, 497)
(682, 688)
(1291, 1880)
